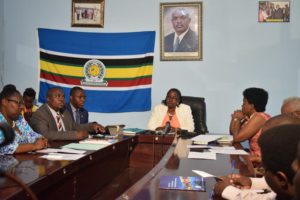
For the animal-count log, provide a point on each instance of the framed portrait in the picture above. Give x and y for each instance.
(181, 31)
(87, 13)
(274, 11)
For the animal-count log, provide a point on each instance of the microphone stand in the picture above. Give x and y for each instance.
(162, 145)
(16, 180)
(166, 130)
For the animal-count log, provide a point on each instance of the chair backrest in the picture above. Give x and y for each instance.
(198, 108)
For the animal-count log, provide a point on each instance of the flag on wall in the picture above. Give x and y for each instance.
(114, 69)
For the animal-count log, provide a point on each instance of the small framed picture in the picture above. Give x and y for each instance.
(274, 11)
(87, 13)
(181, 31)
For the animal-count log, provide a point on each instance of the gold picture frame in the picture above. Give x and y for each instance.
(182, 21)
(87, 13)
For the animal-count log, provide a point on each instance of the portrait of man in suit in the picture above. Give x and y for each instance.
(181, 31)
(183, 39)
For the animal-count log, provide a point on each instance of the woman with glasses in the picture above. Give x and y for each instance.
(172, 111)
(25, 139)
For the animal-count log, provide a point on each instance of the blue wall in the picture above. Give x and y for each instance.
(238, 52)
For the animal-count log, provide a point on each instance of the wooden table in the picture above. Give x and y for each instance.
(96, 175)
(175, 162)
(79, 179)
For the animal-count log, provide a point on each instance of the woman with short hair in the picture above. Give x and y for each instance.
(172, 110)
(246, 124)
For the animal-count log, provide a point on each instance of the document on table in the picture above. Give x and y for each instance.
(62, 156)
(202, 155)
(203, 174)
(84, 146)
(210, 147)
(63, 150)
(205, 139)
(229, 151)
(98, 141)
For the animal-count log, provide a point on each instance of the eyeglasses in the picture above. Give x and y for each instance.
(20, 103)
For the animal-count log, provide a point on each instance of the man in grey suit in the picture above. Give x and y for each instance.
(183, 39)
(55, 123)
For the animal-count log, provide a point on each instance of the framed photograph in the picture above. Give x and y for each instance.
(274, 11)
(88, 13)
(181, 31)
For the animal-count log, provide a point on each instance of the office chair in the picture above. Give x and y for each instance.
(198, 108)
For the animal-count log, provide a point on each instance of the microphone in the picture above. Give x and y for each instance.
(8, 133)
(167, 128)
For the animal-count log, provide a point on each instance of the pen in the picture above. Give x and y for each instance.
(232, 168)
(211, 195)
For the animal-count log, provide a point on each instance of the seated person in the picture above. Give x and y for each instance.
(291, 105)
(53, 122)
(29, 107)
(172, 110)
(25, 139)
(296, 168)
(246, 124)
(278, 146)
(76, 106)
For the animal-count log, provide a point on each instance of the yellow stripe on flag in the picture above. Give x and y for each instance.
(65, 70)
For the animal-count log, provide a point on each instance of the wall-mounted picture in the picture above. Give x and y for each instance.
(274, 11)
(181, 31)
(88, 13)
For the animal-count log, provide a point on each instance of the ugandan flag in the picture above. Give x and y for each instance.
(114, 69)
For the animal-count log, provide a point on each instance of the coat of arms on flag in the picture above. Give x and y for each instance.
(114, 69)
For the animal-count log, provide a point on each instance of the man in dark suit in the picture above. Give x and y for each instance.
(183, 39)
(76, 106)
(55, 123)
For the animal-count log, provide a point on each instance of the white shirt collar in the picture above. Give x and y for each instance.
(180, 37)
(73, 108)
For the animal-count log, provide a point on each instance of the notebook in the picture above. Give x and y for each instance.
(190, 183)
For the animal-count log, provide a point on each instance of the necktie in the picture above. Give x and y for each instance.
(77, 116)
(58, 121)
(176, 45)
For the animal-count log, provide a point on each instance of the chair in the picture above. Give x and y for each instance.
(198, 108)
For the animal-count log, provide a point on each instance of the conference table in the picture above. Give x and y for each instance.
(100, 173)
(176, 163)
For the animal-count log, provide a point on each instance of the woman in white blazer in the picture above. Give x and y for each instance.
(171, 110)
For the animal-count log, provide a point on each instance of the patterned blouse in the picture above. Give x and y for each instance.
(28, 136)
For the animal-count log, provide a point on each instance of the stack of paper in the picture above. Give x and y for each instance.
(205, 139)
(63, 150)
(61, 154)
(85, 146)
(97, 141)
